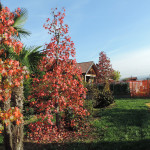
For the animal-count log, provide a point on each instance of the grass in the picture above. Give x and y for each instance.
(124, 125)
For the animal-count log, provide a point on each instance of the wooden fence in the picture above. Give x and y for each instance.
(140, 88)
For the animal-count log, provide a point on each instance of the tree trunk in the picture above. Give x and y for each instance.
(17, 136)
(17, 101)
(7, 128)
(13, 133)
(57, 103)
(57, 117)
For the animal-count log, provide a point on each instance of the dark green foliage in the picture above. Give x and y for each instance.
(27, 91)
(68, 116)
(100, 96)
(92, 90)
(88, 105)
(27, 87)
(120, 88)
(104, 99)
(100, 86)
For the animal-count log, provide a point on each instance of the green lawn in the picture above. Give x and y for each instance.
(123, 126)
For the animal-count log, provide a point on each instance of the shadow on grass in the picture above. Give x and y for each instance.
(130, 145)
(134, 145)
(126, 117)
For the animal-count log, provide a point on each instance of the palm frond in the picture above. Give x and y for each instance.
(34, 58)
(30, 57)
(21, 33)
(19, 22)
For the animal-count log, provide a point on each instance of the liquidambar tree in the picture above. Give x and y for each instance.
(58, 96)
(104, 68)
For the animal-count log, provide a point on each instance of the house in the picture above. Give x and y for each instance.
(89, 71)
(130, 79)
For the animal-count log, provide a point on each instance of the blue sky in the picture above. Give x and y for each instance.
(121, 28)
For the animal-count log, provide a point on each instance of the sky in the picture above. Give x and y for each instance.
(120, 28)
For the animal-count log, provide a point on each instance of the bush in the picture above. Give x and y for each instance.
(98, 96)
(92, 90)
(104, 98)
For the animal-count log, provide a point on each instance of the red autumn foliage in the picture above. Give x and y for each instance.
(10, 70)
(104, 68)
(60, 90)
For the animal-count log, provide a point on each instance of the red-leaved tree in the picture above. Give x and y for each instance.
(104, 68)
(11, 76)
(58, 95)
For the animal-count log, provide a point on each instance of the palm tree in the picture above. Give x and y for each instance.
(13, 134)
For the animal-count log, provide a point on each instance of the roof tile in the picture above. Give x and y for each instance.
(85, 66)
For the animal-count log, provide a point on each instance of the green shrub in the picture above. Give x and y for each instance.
(104, 98)
(100, 86)
(92, 90)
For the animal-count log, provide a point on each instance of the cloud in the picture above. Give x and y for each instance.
(135, 63)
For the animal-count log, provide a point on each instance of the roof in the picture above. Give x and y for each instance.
(85, 66)
(130, 79)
